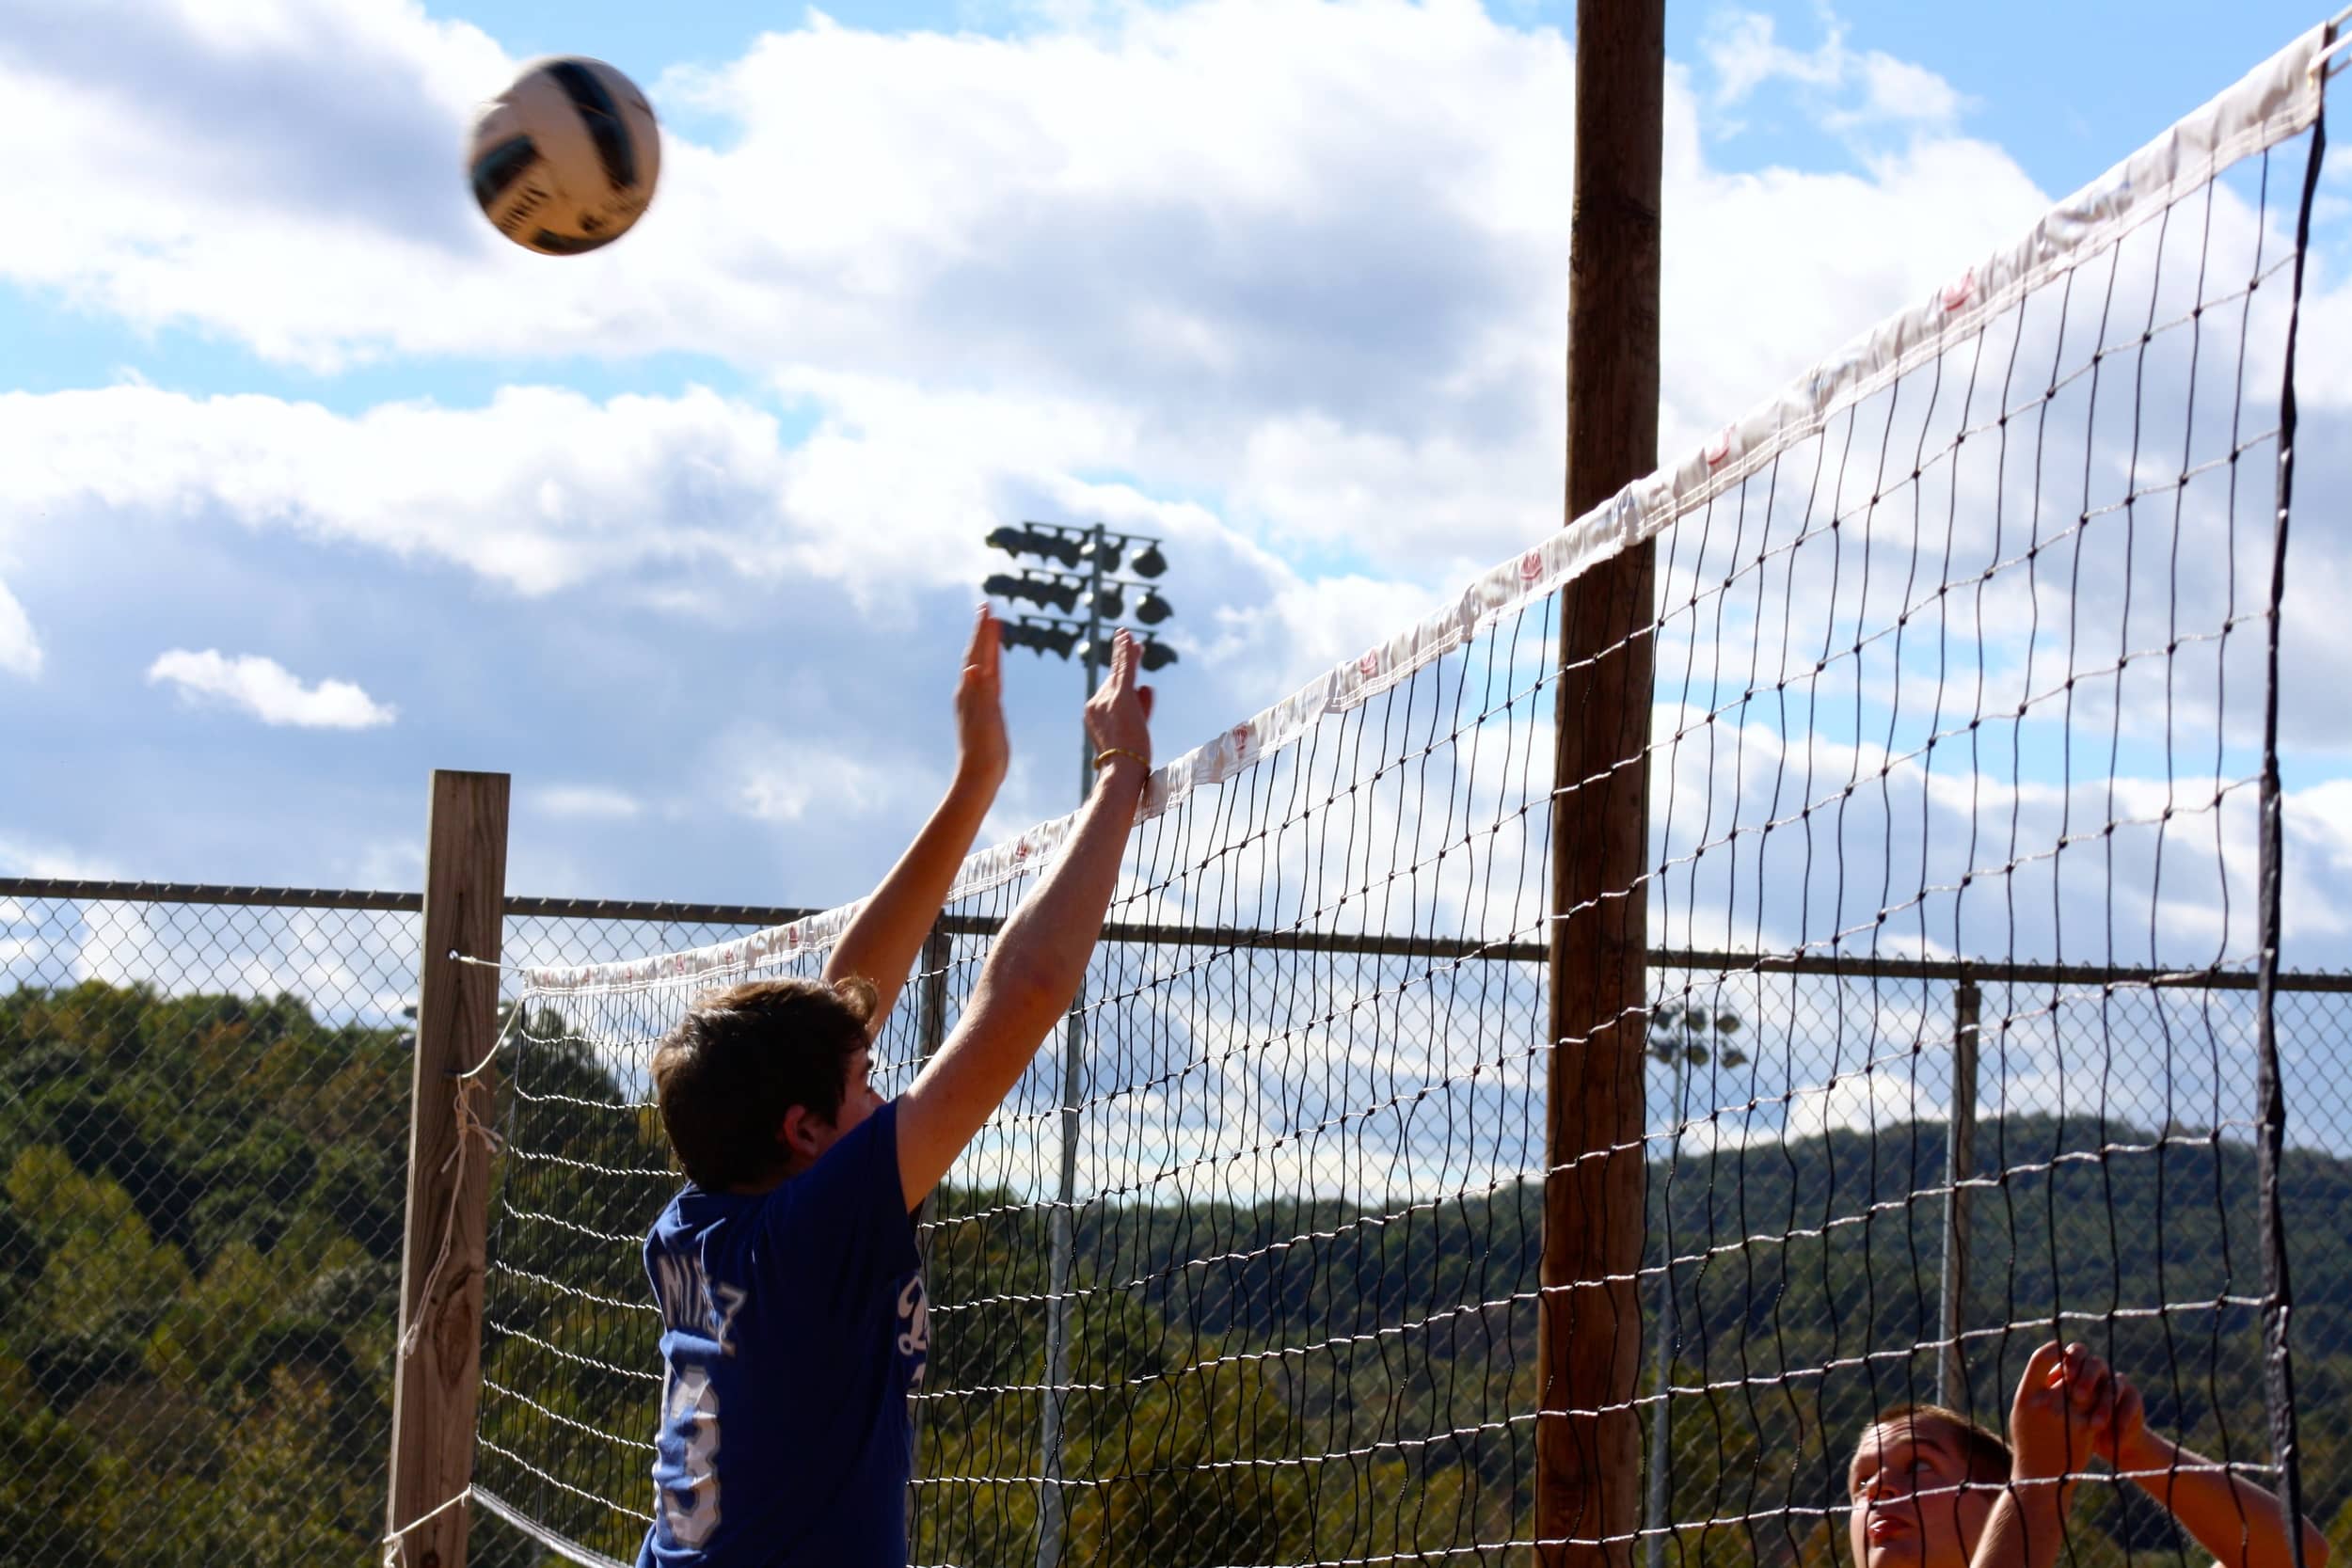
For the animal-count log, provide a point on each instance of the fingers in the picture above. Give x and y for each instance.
(2043, 1369)
(2101, 1401)
(2036, 1424)
(983, 640)
(2090, 1386)
(1143, 695)
(1123, 661)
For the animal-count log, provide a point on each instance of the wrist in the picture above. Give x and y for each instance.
(2144, 1452)
(973, 776)
(1120, 769)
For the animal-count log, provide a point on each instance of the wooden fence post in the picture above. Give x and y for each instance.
(438, 1381)
(1589, 1328)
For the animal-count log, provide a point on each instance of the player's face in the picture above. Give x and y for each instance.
(858, 1102)
(858, 1099)
(1909, 1511)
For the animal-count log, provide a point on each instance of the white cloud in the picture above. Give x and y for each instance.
(771, 778)
(1850, 89)
(2318, 826)
(277, 161)
(682, 500)
(268, 692)
(539, 490)
(1334, 303)
(20, 648)
(587, 801)
(30, 858)
(1897, 91)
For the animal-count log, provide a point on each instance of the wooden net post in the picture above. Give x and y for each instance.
(439, 1377)
(1588, 1465)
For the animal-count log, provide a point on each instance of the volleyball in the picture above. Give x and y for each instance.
(564, 160)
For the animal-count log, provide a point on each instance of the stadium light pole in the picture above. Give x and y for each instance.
(1104, 595)
(1689, 1038)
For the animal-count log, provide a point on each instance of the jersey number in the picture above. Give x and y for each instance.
(689, 1510)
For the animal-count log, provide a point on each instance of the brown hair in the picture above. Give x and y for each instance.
(1985, 1450)
(741, 1058)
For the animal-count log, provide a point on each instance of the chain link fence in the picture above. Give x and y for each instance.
(203, 1138)
(204, 1125)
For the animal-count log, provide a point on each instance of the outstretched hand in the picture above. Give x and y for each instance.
(2065, 1411)
(2065, 1399)
(2123, 1440)
(1118, 715)
(982, 752)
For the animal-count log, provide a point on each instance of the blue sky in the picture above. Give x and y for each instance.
(685, 536)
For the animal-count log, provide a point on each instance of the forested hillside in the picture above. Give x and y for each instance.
(199, 1245)
(201, 1248)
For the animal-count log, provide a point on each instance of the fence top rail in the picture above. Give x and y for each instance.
(1843, 965)
(382, 902)
(100, 891)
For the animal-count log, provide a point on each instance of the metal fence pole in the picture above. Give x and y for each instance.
(930, 1032)
(1064, 1237)
(1662, 1420)
(1050, 1518)
(1959, 1163)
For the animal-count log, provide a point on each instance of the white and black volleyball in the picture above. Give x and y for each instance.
(566, 159)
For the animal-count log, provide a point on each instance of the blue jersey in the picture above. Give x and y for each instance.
(793, 1332)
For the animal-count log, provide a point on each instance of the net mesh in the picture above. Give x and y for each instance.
(1953, 761)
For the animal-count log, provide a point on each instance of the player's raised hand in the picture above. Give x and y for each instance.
(982, 751)
(2123, 1439)
(2065, 1404)
(1118, 715)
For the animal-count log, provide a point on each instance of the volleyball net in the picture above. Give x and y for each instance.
(1957, 763)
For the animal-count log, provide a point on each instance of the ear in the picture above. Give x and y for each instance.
(797, 1134)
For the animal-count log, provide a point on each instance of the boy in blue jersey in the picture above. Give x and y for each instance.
(793, 1320)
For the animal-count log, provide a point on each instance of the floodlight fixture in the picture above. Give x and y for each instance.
(1029, 588)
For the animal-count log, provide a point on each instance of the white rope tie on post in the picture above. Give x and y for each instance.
(395, 1544)
(471, 1128)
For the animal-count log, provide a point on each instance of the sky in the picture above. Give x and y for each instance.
(310, 483)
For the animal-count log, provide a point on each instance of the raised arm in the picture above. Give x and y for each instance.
(884, 937)
(1032, 974)
(2062, 1401)
(2241, 1523)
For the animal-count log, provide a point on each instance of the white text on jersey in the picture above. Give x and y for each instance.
(693, 1304)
